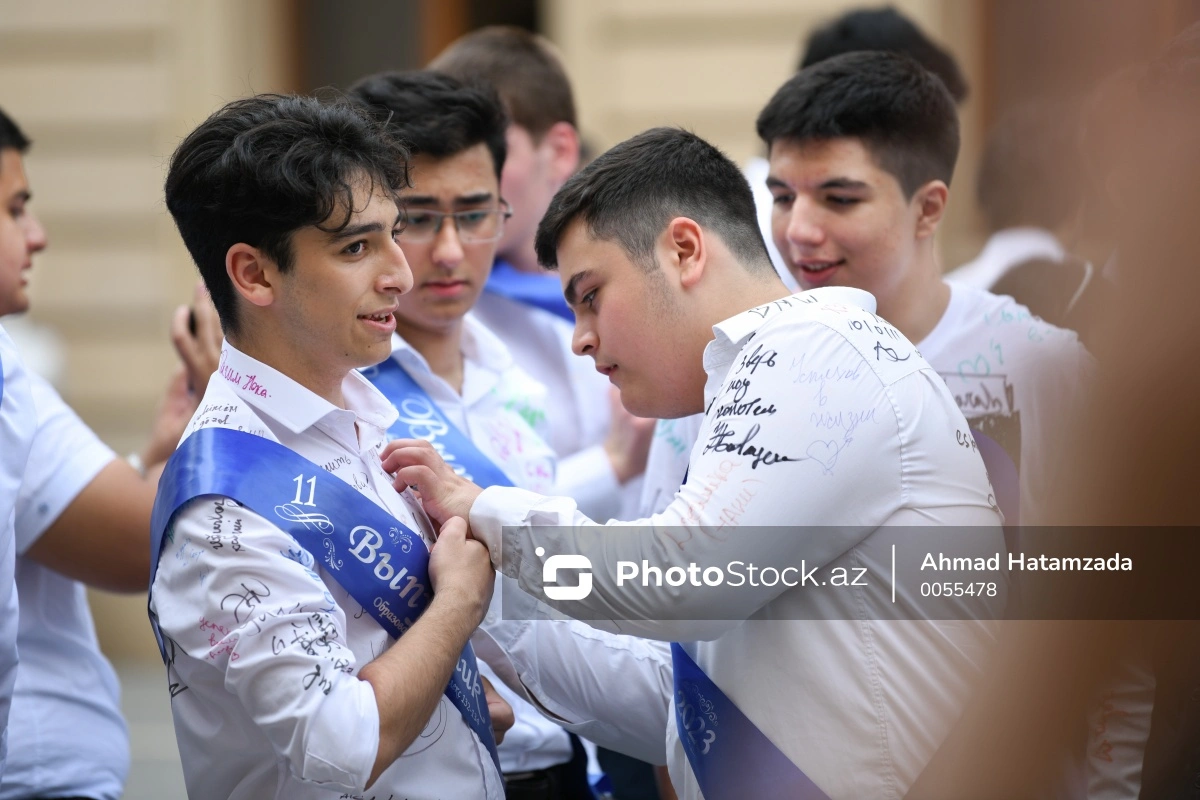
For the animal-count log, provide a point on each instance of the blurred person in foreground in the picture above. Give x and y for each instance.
(82, 519)
(1129, 468)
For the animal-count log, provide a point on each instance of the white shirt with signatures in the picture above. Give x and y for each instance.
(852, 691)
(264, 645)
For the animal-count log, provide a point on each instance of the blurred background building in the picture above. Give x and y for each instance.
(106, 88)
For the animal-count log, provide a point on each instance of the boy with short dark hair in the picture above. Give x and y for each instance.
(862, 150)
(448, 366)
(305, 655)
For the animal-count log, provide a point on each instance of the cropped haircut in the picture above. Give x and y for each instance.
(523, 68)
(629, 194)
(1032, 171)
(261, 168)
(434, 114)
(902, 114)
(11, 135)
(888, 30)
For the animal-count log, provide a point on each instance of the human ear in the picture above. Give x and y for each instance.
(685, 250)
(254, 276)
(930, 203)
(561, 143)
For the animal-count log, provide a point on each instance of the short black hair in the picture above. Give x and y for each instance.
(883, 29)
(263, 167)
(434, 114)
(11, 135)
(630, 193)
(903, 115)
(1031, 172)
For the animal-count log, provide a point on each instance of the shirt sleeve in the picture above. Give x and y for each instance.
(65, 457)
(766, 460)
(239, 594)
(564, 668)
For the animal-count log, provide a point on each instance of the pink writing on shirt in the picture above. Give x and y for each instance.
(252, 385)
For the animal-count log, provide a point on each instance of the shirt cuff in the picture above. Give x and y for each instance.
(494, 508)
(331, 756)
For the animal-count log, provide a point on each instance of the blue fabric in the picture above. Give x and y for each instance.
(420, 418)
(730, 757)
(342, 531)
(532, 290)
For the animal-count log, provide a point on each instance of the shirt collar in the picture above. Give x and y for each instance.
(283, 400)
(732, 334)
(486, 355)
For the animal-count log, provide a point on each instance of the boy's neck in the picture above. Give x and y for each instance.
(917, 305)
(317, 377)
(442, 350)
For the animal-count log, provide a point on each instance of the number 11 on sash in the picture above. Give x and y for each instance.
(312, 490)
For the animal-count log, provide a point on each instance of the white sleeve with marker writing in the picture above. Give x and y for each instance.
(256, 634)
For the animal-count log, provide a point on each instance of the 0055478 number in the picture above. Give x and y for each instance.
(958, 589)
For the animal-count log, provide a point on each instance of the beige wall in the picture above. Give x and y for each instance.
(105, 88)
(711, 65)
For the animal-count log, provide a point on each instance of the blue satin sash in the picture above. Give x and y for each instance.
(382, 563)
(532, 290)
(420, 418)
(730, 757)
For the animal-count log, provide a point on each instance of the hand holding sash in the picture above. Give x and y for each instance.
(460, 567)
(416, 464)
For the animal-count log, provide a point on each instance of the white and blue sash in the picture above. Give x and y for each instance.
(420, 418)
(731, 758)
(382, 563)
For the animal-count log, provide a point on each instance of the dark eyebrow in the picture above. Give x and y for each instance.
(775, 183)
(844, 183)
(350, 231)
(464, 200)
(569, 292)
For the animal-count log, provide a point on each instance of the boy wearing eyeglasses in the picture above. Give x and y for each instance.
(453, 381)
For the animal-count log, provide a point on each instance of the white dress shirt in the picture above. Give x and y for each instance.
(1004, 250)
(502, 410)
(858, 699)
(68, 736)
(18, 421)
(579, 415)
(1017, 379)
(264, 645)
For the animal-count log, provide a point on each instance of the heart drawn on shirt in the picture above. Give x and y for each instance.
(824, 453)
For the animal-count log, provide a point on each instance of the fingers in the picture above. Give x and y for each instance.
(500, 711)
(412, 477)
(409, 452)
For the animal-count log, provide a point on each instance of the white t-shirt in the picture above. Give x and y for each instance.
(1016, 378)
(859, 701)
(68, 736)
(503, 411)
(578, 414)
(264, 693)
(18, 421)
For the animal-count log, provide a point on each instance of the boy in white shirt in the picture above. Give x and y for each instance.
(677, 302)
(466, 380)
(305, 656)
